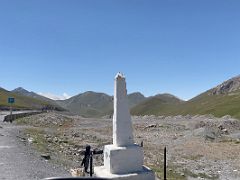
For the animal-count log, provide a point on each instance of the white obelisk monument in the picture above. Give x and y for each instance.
(123, 159)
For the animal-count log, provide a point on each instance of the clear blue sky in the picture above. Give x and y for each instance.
(183, 47)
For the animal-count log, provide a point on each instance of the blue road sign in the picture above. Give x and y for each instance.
(11, 100)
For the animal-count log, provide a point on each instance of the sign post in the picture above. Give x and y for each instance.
(11, 100)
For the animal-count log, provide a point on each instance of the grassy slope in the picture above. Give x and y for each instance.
(218, 105)
(135, 98)
(89, 104)
(21, 102)
(93, 104)
(158, 105)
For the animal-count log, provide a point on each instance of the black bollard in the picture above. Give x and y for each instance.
(91, 165)
(165, 163)
(86, 159)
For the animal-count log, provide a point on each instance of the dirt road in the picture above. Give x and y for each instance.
(19, 161)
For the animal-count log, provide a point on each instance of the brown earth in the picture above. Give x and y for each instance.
(198, 147)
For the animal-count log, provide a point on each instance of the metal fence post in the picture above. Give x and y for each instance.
(91, 165)
(165, 163)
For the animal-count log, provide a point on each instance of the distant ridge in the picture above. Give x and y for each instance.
(25, 92)
(221, 100)
(158, 104)
(94, 104)
(135, 98)
(88, 104)
(224, 99)
(24, 101)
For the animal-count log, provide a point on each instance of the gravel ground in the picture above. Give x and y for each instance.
(198, 147)
(18, 161)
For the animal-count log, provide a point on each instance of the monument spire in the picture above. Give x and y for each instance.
(122, 125)
(123, 160)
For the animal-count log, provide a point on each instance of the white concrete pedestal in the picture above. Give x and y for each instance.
(124, 163)
(144, 174)
(121, 160)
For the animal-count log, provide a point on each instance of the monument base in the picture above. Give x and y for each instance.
(123, 160)
(144, 174)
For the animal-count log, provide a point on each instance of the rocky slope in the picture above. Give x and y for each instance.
(227, 87)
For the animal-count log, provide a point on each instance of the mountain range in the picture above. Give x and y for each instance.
(221, 100)
(93, 104)
(88, 104)
(26, 100)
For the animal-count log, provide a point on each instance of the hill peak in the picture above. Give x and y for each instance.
(20, 89)
(168, 96)
(135, 98)
(228, 86)
(136, 94)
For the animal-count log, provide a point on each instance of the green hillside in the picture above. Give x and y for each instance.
(23, 102)
(161, 104)
(219, 101)
(135, 98)
(218, 105)
(93, 104)
(89, 104)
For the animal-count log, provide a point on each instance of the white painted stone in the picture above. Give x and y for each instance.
(122, 125)
(145, 174)
(123, 159)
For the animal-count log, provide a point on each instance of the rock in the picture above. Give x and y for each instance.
(46, 156)
(23, 139)
(30, 140)
(182, 174)
(75, 135)
(63, 141)
(227, 117)
(55, 139)
(220, 127)
(200, 125)
(209, 134)
(47, 136)
(199, 132)
(49, 140)
(151, 126)
(225, 131)
(188, 116)
(77, 172)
